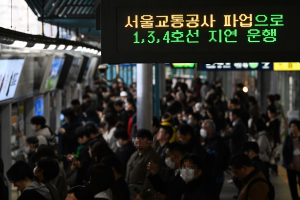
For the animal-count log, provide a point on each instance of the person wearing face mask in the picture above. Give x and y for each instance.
(41, 131)
(173, 188)
(32, 143)
(46, 170)
(291, 157)
(194, 121)
(173, 106)
(193, 172)
(220, 153)
(126, 148)
(21, 175)
(163, 137)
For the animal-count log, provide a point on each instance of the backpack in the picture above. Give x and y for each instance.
(52, 141)
(226, 157)
(271, 187)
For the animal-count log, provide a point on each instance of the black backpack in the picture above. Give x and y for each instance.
(271, 187)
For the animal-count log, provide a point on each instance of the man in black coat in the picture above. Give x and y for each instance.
(237, 135)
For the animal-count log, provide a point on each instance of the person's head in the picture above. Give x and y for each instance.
(180, 117)
(194, 119)
(259, 125)
(170, 100)
(118, 104)
(85, 98)
(79, 193)
(252, 100)
(239, 87)
(208, 128)
(208, 103)
(218, 84)
(20, 174)
(76, 106)
(69, 115)
(238, 96)
(185, 133)
(155, 125)
(192, 101)
(99, 150)
(82, 134)
(234, 114)
(32, 143)
(192, 167)
(235, 104)
(44, 151)
(174, 154)
(123, 96)
(294, 125)
(38, 123)
(179, 80)
(270, 99)
(251, 149)
(113, 162)
(179, 95)
(92, 128)
(241, 165)
(46, 169)
(277, 97)
(272, 111)
(131, 107)
(197, 108)
(142, 139)
(121, 136)
(165, 133)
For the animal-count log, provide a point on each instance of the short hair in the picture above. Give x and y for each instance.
(86, 96)
(20, 171)
(155, 122)
(195, 159)
(113, 161)
(176, 147)
(251, 146)
(169, 98)
(188, 110)
(80, 132)
(277, 97)
(75, 102)
(296, 122)
(271, 98)
(192, 99)
(239, 160)
(92, 128)
(260, 124)
(235, 101)
(209, 102)
(121, 134)
(44, 151)
(196, 116)
(50, 168)
(143, 133)
(168, 130)
(38, 120)
(253, 100)
(210, 124)
(118, 103)
(99, 150)
(81, 193)
(33, 140)
(185, 129)
(272, 108)
(132, 103)
(236, 112)
(240, 85)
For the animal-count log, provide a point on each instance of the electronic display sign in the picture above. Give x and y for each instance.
(54, 73)
(190, 31)
(183, 65)
(238, 66)
(39, 106)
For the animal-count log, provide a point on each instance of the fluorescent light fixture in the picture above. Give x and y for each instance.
(38, 46)
(78, 48)
(90, 50)
(19, 44)
(95, 51)
(70, 47)
(61, 47)
(52, 47)
(84, 49)
(99, 54)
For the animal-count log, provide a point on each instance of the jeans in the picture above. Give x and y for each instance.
(292, 177)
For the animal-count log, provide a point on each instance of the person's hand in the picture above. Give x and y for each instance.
(291, 166)
(229, 129)
(268, 124)
(203, 143)
(152, 167)
(70, 157)
(138, 197)
(62, 130)
(160, 196)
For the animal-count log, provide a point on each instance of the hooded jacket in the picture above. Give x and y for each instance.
(35, 191)
(43, 135)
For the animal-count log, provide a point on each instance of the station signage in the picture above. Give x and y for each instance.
(238, 66)
(183, 65)
(156, 31)
(287, 66)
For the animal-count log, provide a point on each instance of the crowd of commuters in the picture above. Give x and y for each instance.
(100, 153)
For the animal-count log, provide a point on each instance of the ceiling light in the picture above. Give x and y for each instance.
(99, 54)
(19, 44)
(245, 89)
(52, 47)
(38, 46)
(78, 49)
(83, 49)
(61, 47)
(70, 47)
(95, 51)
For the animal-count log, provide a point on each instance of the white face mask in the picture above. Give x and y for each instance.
(118, 144)
(187, 174)
(203, 133)
(190, 122)
(169, 163)
(32, 127)
(27, 149)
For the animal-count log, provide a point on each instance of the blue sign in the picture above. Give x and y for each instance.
(238, 66)
(39, 107)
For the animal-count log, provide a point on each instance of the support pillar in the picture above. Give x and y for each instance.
(144, 96)
(157, 91)
(47, 107)
(29, 113)
(58, 107)
(68, 96)
(5, 140)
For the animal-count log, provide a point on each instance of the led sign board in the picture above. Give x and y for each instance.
(238, 66)
(183, 65)
(287, 66)
(199, 31)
